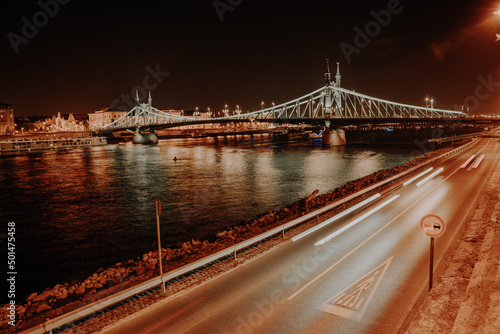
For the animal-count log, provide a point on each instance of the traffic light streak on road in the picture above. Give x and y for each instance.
(336, 217)
(355, 221)
(374, 234)
(430, 177)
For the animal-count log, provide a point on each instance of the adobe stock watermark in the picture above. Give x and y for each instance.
(372, 29)
(152, 79)
(30, 28)
(223, 6)
(484, 90)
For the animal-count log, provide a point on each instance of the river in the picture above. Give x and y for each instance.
(81, 209)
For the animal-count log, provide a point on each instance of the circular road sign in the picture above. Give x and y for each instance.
(433, 226)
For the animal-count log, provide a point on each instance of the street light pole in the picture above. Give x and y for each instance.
(158, 211)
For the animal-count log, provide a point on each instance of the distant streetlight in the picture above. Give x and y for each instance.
(262, 104)
(429, 102)
(498, 35)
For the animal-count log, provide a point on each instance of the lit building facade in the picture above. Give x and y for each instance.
(6, 119)
(103, 117)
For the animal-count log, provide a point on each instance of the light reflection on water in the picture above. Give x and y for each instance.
(78, 210)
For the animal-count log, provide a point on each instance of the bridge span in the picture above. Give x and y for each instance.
(331, 106)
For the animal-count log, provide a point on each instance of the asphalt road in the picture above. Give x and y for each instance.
(365, 279)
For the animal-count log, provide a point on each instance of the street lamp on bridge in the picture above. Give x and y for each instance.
(429, 102)
(497, 13)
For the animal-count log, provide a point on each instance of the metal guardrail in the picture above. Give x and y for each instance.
(453, 138)
(147, 285)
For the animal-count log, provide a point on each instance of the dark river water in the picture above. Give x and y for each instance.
(78, 210)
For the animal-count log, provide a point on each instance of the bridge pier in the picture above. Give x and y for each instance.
(148, 138)
(333, 137)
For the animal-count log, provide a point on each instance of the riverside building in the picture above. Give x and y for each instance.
(6, 119)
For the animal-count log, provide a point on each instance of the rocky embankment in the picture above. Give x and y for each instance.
(66, 297)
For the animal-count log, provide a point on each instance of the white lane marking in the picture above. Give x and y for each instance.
(468, 161)
(417, 177)
(338, 216)
(355, 221)
(368, 239)
(347, 303)
(430, 177)
(478, 161)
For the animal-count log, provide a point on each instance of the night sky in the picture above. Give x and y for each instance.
(92, 54)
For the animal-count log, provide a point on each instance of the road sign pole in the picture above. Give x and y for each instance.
(432, 226)
(431, 265)
(158, 211)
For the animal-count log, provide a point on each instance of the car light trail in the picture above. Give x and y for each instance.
(417, 177)
(468, 161)
(337, 216)
(478, 161)
(430, 177)
(355, 221)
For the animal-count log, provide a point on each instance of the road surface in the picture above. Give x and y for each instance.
(362, 273)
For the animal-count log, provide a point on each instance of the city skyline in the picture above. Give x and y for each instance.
(75, 57)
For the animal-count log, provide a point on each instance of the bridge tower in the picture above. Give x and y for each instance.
(143, 112)
(328, 91)
(338, 98)
(332, 137)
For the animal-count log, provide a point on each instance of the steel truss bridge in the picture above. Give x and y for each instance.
(330, 105)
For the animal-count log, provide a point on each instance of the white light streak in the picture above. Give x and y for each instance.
(355, 221)
(430, 177)
(468, 161)
(337, 216)
(417, 177)
(478, 161)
